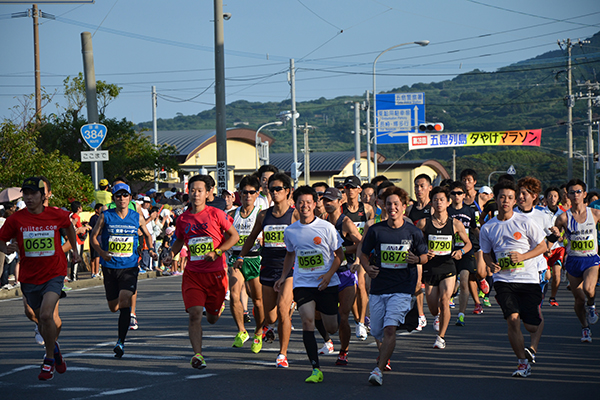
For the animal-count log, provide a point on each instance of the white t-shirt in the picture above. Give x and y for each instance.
(263, 202)
(518, 234)
(314, 244)
(545, 221)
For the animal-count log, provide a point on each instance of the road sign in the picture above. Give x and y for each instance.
(221, 176)
(93, 134)
(96, 155)
(397, 115)
(511, 170)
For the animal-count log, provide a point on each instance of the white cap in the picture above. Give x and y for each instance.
(486, 190)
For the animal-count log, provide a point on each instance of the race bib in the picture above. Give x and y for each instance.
(120, 246)
(361, 226)
(38, 243)
(199, 247)
(441, 245)
(582, 246)
(458, 242)
(273, 236)
(240, 243)
(394, 256)
(310, 259)
(506, 264)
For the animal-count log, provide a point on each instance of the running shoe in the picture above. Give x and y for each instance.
(247, 318)
(133, 323)
(66, 288)
(591, 314)
(119, 349)
(342, 358)
(198, 361)
(452, 305)
(59, 363)
(480, 294)
(47, 371)
(315, 377)
(422, 322)
(486, 302)
(38, 337)
(268, 334)
(240, 339)
(436, 323)
(368, 324)
(227, 295)
(553, 302)
(327, 348)
(222, 309)
(484, 286)
(376, 377)
(388, 365)
(439, 343)
(523, 370)
(478, 309)
(361, 331)
(281, 361)
(460, 321)
(530, 354)
(256, 344)
(586, 335)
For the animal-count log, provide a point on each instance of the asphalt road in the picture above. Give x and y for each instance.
(477, 362)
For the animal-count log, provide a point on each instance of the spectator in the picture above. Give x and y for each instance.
(81, 230)
(94, 256)
(103, 195)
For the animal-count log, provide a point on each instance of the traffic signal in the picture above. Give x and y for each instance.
(431, 127)
(162, 175)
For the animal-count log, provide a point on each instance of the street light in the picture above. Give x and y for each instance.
(256, 138)
(375, 121)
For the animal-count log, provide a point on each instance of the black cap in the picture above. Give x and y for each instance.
(34, 183)
(332, 194)
(352, 181)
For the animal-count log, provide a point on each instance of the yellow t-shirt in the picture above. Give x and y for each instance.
(102, 197)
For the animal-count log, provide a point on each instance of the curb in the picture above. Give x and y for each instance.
(79, 284)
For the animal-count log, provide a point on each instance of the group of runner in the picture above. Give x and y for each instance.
(321, 250)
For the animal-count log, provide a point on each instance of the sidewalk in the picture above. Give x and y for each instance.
(85, 280)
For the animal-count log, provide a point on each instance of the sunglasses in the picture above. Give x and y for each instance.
(456, 193)
(119, 195)
(578, 191)
(276, 189)
(320, 194)
(350, 187)
(249, 191)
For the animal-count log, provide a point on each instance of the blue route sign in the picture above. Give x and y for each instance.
(398, 114)
(93, 134)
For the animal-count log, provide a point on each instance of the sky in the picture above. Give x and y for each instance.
(169, 44)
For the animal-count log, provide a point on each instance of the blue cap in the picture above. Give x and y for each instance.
(121, 186)
(151, 191)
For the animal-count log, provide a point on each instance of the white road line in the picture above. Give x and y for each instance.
(19, 369)
(200, 376)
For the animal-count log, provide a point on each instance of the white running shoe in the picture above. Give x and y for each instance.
(361, 331)
(422, 323)
(327, 348)
(523, 370)
(591, 314)
(376, 377)
(436, 323)
(38, 337)
(439, 343)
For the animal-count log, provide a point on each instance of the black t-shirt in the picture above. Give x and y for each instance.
(467, 216)
(407, 237)
(218, 202)
(415, 214)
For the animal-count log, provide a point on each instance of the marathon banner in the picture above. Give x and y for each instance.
(503, 138)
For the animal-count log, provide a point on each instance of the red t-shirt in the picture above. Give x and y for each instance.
(39, 243)
(77, 218)
(202, 233)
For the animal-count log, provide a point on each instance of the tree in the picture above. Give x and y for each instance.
(75, 94)
(21, 157)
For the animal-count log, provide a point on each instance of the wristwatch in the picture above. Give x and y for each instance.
(218, 252)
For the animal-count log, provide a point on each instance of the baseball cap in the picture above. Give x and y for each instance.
(352, 181)
(121, 186)
(170, 230)
(332, 194)
(486, 190)
(103, 182)
(151, 191)
(147, 199)
(34, 183)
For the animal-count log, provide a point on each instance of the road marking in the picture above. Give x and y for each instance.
(200, 376)
(19, 369)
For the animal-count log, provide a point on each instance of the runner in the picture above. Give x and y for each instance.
(264, 173)
(314, 253)
(244, 219)
(320, 188)
(398, 248)
(347, 270)
(419, 210)
(465, 267)
(118, 230)
(359, 213)
(556, 255)
(510, 242)
(579, 224)
(43, 264)
(272, 223)
(439, 273)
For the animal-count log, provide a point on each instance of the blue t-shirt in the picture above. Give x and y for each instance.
(390, 247)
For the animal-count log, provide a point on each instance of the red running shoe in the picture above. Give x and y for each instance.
(59, 362)
(478, 309)
(484, 286)
(47, 372)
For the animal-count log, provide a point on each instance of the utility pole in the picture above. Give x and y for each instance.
(368, 110)
(154, 131)
(356, 167)
(36, 62)
(453, 164)
(306, 154)
(591, 99)
(295, 166)
(570, 104)
(221, 135)
(90, 95)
